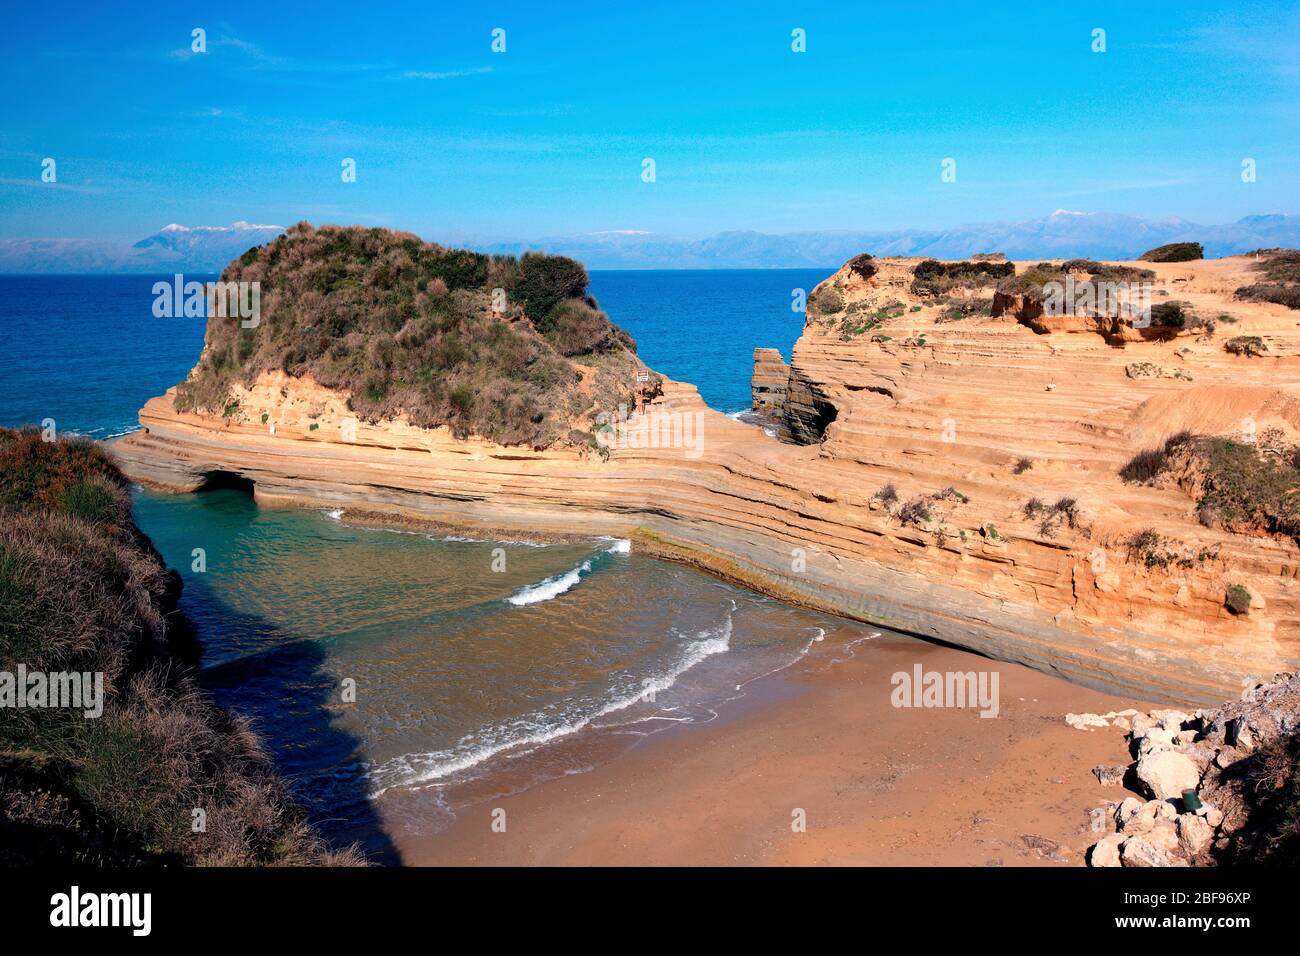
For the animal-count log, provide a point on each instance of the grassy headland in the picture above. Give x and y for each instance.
(161, 776)
(512, 349)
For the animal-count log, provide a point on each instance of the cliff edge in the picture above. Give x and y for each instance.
(958, 477)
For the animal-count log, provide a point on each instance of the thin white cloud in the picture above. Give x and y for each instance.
(57, 186)
(445, 75)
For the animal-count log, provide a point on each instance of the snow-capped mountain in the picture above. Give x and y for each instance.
(211, 245)
(199, 249)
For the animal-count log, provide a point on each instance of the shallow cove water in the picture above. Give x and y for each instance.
(399, 667)
(378, 661)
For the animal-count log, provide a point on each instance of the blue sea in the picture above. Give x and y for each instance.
(464, 682)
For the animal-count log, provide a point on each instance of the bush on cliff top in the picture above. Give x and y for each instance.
(932, 277)
(1281, 285)
(81, 590)
(1174, 252)
(405, 326)
(863, 266)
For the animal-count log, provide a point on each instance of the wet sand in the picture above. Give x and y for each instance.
(878, 785)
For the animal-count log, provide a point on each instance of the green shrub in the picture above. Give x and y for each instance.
(932, 277)
(1237, 599)
(576, 327)
(401, 326)
(915, 512)
(1272, 795)
(827, 300)
(1248, 345)
(862, 266)
(1275, 292)
(1172, 314)
(1146, 466)
(81, 590)
(543, 282)
(1174, 252)
(1148, 549)
(92, 501)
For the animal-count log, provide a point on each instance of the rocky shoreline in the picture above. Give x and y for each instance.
(1209, 779)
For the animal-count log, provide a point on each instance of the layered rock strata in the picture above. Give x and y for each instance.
(967, 419)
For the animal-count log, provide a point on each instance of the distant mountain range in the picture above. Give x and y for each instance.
(1063, 234)
(198, 249)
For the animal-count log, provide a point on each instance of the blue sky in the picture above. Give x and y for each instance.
(452, 140)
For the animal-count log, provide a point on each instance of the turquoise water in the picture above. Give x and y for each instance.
(397, 675)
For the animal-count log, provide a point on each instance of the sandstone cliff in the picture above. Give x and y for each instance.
(963, 416)
(771, 376)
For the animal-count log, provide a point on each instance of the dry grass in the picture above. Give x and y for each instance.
(82, 590)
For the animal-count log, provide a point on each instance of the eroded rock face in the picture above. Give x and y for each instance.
(809, 410)
(768, 385)
(894, 389)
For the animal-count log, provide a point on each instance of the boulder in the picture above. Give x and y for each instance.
(1167, 773)
(1141, 723)
(1170, 719)
(1153, 739)
(1194, 834)
(1158, 847)
(1085, 721)
(1105, 852)
(1127, 811)
(1109, 776)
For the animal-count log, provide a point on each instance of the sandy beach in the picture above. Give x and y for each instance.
(878, 785)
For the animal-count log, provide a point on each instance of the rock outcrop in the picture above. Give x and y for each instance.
(965, 417)
(769, 381)
(1221, 784)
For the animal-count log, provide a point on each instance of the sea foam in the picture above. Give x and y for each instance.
(557, 584)
(540, 728)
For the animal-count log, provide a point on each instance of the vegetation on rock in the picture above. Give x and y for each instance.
(827, 300)
(446, 337)
(932, 277)
(1252, 346)
(1174, 252)
(1244, 488)
(1281, 275)
(862, 266)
